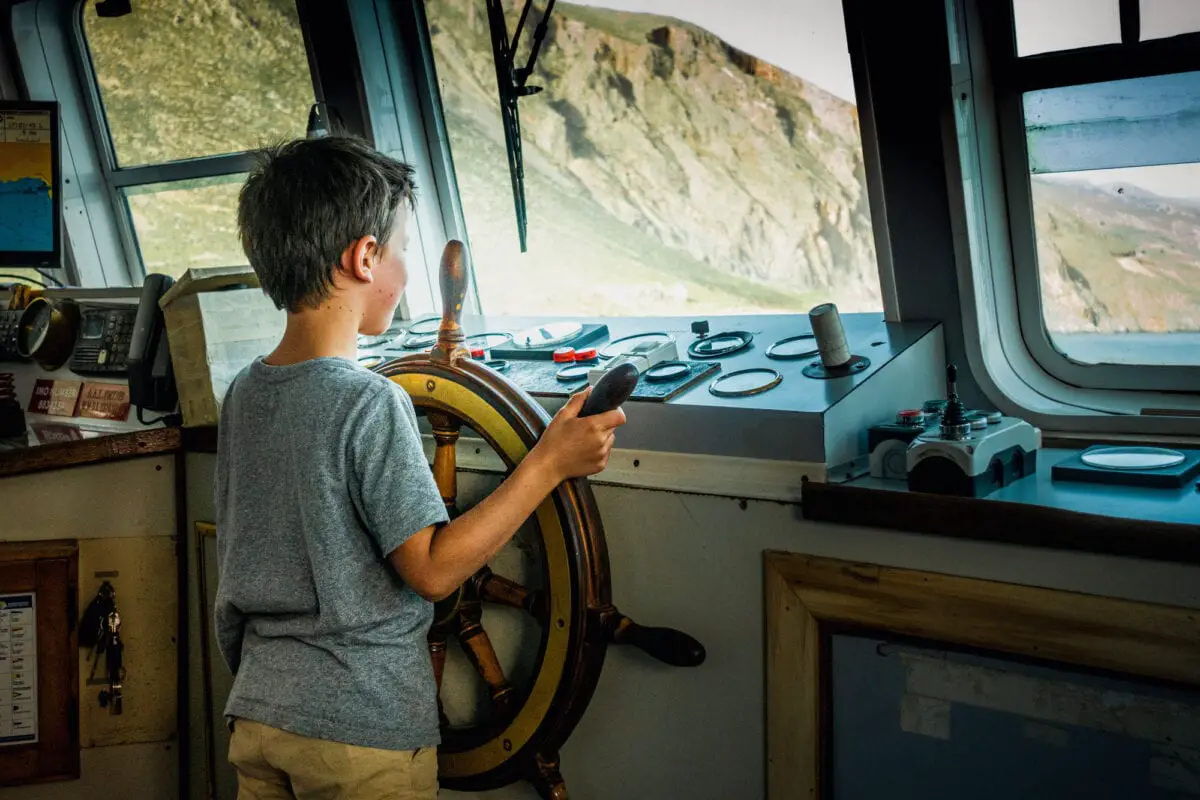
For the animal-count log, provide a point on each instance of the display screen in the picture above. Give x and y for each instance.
(27, 218)
(93, 326)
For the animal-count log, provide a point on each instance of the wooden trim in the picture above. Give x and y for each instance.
(33, 550)
(206, 530)
(116, 447)
(793, 722)
(804, 593)
(1000, 521)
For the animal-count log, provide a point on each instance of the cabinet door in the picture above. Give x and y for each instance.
(39, 665)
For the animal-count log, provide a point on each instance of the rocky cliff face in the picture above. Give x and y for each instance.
(1116, 259)
(744, 179)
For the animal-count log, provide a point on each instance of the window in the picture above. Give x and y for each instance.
(682, 158)
(1118, 247)
(183, 91)
(1103, 152)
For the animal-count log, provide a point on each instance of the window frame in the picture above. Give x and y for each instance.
(1011, 77)
(117, 178)
(1000, 362)
(56, 63)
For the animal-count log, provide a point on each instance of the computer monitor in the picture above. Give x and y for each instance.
(30, 185)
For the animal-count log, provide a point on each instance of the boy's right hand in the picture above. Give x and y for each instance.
(574, 447)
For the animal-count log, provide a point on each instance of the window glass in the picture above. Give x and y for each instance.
(1116, 199)
(1162, 18)
(1046, 26)
(683, 158)
(187, 224)
(182, 80)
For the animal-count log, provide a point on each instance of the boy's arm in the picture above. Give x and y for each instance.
(435, 561)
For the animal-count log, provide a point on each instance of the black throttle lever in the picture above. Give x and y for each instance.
(613, 389)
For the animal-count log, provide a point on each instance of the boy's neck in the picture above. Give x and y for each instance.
(326, 332)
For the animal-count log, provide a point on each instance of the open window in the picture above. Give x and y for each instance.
(181, 93)
(1096, 107)
(681, 158)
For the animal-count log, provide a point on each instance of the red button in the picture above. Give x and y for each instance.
(587, 354)
(476, 352)
(564, 355)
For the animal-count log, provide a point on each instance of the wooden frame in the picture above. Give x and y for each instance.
(49, 569)
(805, 593)
(206, 530)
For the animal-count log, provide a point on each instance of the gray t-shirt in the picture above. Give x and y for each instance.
(321, 474)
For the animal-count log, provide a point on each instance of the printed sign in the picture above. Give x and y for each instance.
(104, 401)
(18, 669)
(57, 398)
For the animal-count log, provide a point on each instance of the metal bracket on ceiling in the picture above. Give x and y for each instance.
(512, 85)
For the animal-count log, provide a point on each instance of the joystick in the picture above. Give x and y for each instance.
(613, 389)
(959, 458)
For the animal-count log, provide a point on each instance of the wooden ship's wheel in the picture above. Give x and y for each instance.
(522, 727)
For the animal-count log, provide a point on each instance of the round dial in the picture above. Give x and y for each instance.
(35, 324)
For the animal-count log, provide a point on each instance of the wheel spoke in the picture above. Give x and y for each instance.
(479, 650)
(437, 653)
(497, 589)
(445, 433)
(546, 778)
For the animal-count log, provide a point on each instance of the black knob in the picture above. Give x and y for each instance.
(700, 327)
(671, 647)
(611, 390)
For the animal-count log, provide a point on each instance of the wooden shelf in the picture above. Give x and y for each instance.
(60, 455)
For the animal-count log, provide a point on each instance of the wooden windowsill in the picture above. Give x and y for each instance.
(1160, 524)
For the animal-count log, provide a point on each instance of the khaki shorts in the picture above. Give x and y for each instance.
(273, 765)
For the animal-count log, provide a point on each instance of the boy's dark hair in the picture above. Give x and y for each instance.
(306, 201)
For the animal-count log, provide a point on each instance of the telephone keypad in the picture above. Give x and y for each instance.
(105, 352)
(9, 325)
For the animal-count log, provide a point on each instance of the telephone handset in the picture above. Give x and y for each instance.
(151, 374)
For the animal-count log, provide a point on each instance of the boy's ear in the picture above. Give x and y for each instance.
(359, 257)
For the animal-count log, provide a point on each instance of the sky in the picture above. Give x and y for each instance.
(1047, 25)
(805, 37)
(1172, 180)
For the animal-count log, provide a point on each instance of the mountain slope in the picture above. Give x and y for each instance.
(1116, 259)
(700, 176)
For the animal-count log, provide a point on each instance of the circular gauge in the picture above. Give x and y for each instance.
(745, 382)
(498, 364)
(370, 362)
(793, 347)
(666, 371)
(46, 332)
(487, 341)
(35, 324)
(575, 372)
(418, 341)
(1132, 458)
(553, 334)
(425, 325)
(720, 344)
(636, 343)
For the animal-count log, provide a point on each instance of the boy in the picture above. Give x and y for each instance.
(331, 534)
